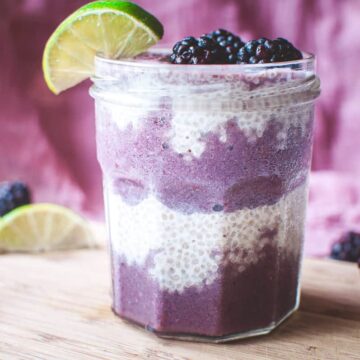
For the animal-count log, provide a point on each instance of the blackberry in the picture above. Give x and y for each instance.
(218, 207)
(13, 195)
(229, 42)
(264, 50)
(203, 50)
(348, 249)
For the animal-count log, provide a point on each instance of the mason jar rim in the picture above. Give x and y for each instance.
(138, 82)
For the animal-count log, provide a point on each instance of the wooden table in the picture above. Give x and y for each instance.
(57, 306)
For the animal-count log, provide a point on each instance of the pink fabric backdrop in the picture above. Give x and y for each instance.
(49, 141)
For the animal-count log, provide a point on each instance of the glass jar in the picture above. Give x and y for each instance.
(205, 179)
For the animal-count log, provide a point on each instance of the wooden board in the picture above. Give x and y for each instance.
(57, 306)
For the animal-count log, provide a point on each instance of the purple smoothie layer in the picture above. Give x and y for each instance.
(239, 173)
(254, 299)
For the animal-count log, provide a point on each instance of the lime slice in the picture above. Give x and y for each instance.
(114, 29)
(43, 227)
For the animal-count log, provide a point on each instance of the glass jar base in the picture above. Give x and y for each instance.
(215, 339)
(225, 338)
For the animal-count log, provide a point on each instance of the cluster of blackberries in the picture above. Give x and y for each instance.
(13, 195)
(348, 249)
(223, 47)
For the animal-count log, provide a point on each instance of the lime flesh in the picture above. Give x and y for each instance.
(44, 227)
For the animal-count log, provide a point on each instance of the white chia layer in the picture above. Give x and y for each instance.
(188, 249)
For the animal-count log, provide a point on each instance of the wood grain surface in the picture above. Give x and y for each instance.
(57, 306)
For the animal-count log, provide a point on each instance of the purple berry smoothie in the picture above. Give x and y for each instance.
(205, 179)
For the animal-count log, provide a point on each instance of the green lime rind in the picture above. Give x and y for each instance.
(131, 9)
(19, 211)
(126, 7)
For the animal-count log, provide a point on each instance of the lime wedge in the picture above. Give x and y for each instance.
(114, 29)
(43, 227)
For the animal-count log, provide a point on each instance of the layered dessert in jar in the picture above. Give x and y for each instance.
(205, 167)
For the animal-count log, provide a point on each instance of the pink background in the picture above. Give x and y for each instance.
(49, 141)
